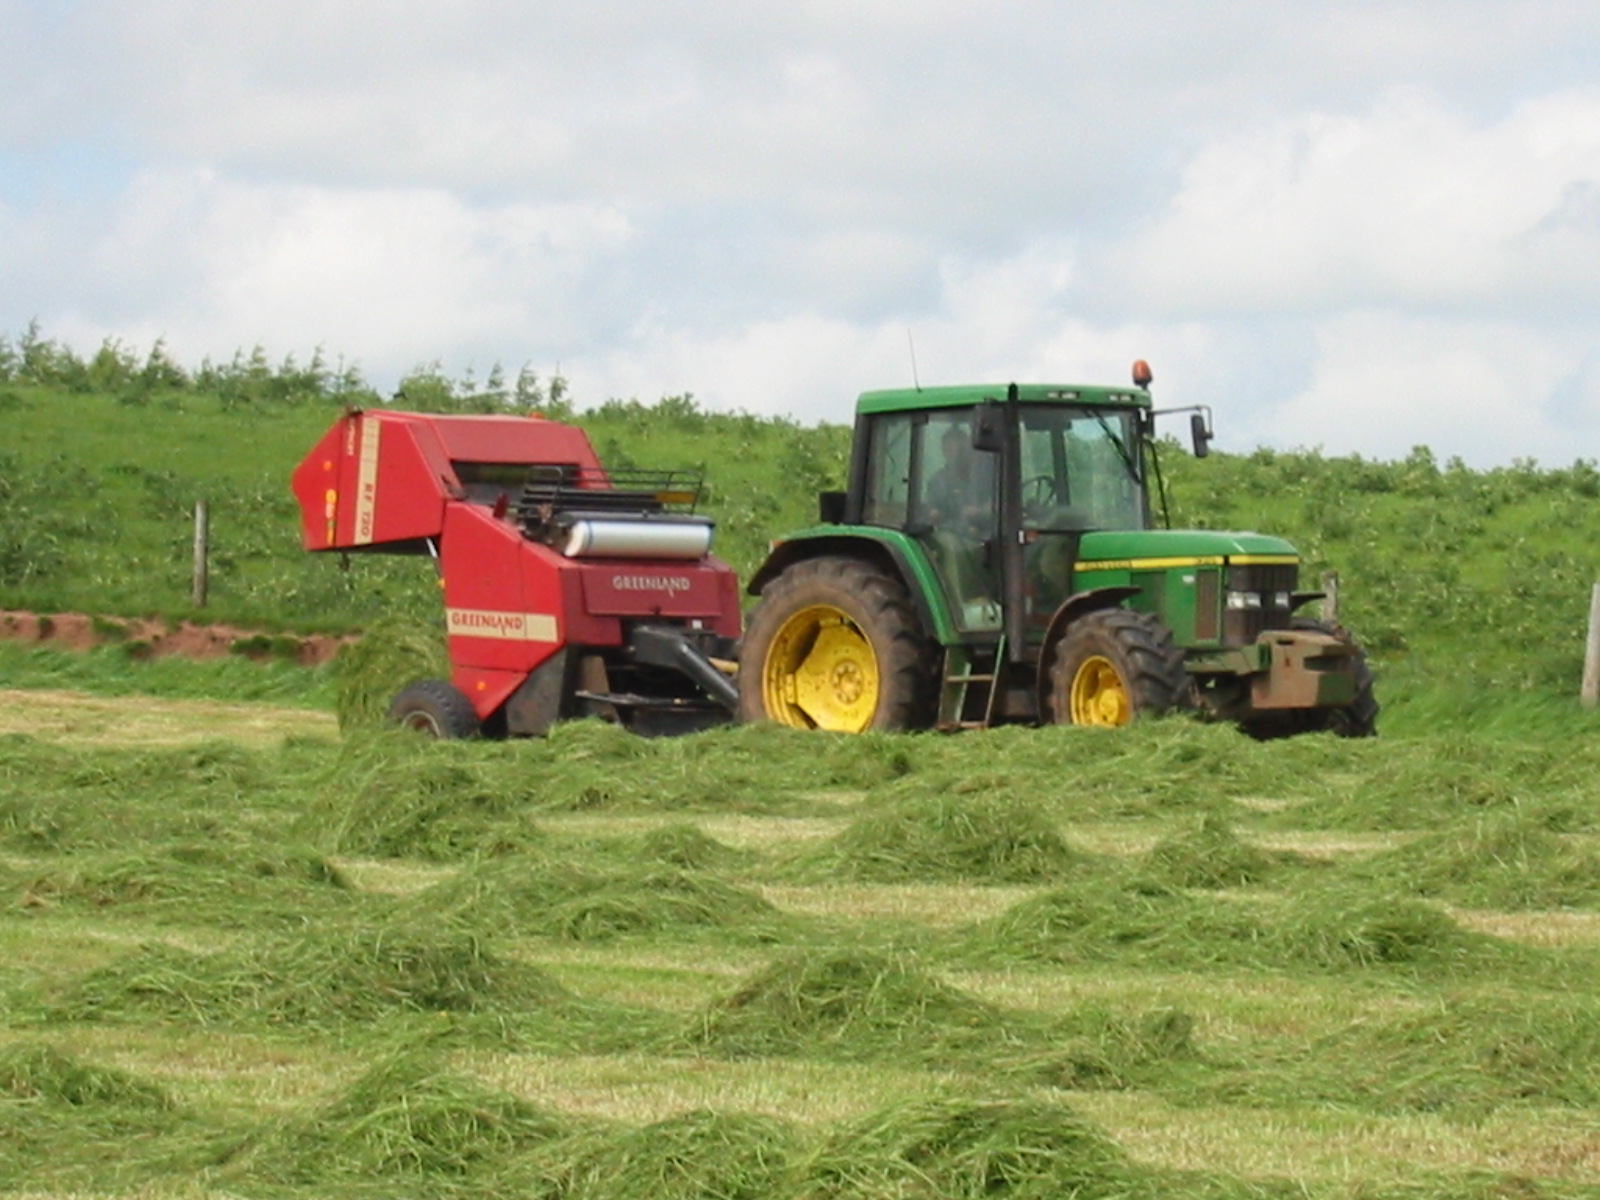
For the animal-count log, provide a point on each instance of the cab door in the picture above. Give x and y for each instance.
(1051, 525)
(925, 477)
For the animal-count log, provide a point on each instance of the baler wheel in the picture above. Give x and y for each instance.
(1114, 665)
(835, 644)
(436, 708)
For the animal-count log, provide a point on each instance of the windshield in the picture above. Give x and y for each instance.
(1080, 469)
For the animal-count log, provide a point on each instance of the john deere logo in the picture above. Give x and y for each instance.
(670, 584)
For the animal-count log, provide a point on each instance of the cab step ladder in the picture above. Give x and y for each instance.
(970, 686)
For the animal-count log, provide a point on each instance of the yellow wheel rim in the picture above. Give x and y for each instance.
(1099, 697)
(820, 672)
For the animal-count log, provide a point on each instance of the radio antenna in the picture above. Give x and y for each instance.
(911, 343)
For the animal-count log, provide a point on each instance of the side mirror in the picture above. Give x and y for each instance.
(988, 427)
(1199, 435)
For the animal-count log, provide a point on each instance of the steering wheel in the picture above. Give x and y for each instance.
(1040, 494)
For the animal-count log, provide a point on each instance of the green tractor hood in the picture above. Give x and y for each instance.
(1160, 549)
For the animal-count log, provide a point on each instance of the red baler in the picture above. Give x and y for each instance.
(568, 590)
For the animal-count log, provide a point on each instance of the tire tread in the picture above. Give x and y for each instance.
(1159, 681)
(452, 712)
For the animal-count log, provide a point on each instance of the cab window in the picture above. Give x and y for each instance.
(888, 471)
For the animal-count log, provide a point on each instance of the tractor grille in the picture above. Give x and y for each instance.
(1207, 605)
(1241, 626)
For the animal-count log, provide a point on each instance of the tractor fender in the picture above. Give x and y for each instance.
(1071, 609)
(886, 555)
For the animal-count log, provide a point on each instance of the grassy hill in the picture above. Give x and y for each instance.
(1448, 573)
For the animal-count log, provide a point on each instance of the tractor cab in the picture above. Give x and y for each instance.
(998, 487)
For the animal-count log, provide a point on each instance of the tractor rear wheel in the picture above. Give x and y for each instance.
(1115, 664)
(436, 708)
(835, 644)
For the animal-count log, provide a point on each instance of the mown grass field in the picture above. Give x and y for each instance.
(1168, 961)
(242, 954)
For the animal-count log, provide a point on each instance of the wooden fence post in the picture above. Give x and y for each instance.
(202, 539)
(1330, 598)
(1589, 693)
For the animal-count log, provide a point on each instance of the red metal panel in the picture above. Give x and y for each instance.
(730, 619)
(492, 620)
(486, 689)
(492, 439)
(316, 488)
(399, 494)
(645, 588)
(585, 628)
(374, 478)
(390, 473)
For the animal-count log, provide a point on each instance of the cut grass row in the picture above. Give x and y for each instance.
(1391, 1070)
(412, 1125)
(764, 963)
(111, 671)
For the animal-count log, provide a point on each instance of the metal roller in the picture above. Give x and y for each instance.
(590, 538)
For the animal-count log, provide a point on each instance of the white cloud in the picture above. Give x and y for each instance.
(1478, 389)
(1274, 203)
(987, 320)
(806, 366)
(1402, 276)
(391, 277)
(1409, 203)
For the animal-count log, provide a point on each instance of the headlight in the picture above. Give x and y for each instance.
(1238, 600)
(1280, 599)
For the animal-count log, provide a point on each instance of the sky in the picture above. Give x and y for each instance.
(1355, 226)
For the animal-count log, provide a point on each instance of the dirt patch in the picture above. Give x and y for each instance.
(157, 638)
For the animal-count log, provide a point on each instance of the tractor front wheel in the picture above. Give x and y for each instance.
(436, 708)
(1114, 665)
(835, 644)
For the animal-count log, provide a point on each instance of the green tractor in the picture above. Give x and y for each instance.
(995, 560)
